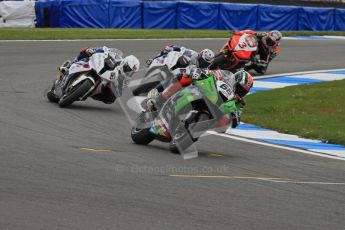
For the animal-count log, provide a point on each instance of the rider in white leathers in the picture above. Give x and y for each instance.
(125, 68)
(201, 60)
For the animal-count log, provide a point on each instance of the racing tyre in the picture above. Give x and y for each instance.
(51, 97)
(142, 136)
(76, 93)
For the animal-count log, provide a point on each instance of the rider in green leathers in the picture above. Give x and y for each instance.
(230, 86)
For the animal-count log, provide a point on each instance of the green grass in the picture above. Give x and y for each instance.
(61, 33)
(64, 33)
(313, 111)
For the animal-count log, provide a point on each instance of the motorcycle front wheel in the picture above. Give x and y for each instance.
(76, 93)
(141, 136)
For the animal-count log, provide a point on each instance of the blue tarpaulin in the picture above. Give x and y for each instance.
(312, 18)
(125, 14)
(84, 14)
(185, 15)
(47, 13)
(339, 20)
(159, 15)
(278, 17)
(237, 16)
(197, 15)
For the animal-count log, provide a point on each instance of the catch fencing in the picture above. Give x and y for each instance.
(185, 15)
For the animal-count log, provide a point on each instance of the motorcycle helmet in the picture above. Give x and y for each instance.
(244, 82)
(273, 38)
(128, 66)
(205, 58)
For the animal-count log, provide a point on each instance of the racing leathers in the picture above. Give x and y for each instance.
(190, 55)
(239, 50)
(266, 52)
(155, 99)
(105, 92)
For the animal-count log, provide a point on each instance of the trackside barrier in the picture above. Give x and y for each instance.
(159, 15)
(185, 15)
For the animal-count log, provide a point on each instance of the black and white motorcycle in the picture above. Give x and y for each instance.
(86, 78)
(160, 69)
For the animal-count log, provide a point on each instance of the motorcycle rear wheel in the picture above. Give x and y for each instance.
(77, 93)
(142, 136)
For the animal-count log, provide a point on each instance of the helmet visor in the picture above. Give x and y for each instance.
(240, 90)
(126, 68)
(270, 42)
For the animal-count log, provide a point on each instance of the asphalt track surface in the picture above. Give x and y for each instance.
(77, 168)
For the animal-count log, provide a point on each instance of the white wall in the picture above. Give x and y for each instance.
(17, 14)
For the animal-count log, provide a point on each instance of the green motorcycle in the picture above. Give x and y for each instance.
(186, 115)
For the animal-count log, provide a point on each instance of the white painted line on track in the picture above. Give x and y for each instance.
(228, 177)
(334, 37)
(297, 73)
(277, 146)
(268, 179)
(95, 150)
(306, 182)
(271, 85)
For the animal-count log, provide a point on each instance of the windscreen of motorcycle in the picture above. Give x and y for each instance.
(172, 58)
(97, 61)
(116, 54)
(80, 66)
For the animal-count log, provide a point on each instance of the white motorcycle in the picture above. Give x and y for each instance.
(161, 69)
(85, 77)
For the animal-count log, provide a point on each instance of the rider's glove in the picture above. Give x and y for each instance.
(88, 51)
(152, 97)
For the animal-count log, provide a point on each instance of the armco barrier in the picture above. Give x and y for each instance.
(185, 15)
